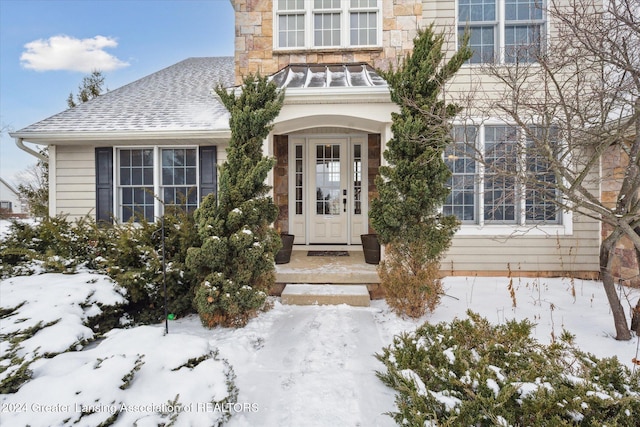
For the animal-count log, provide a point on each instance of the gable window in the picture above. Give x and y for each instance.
(317, 24)
(503, 31)
(500, 192)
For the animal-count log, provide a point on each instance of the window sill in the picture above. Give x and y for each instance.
(315, 50)
(506, 230)
(502, 64)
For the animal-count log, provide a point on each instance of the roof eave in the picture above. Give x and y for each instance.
(46, 138)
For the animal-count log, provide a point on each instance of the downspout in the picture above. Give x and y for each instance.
(20, 144)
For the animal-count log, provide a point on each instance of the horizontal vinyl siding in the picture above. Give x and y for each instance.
(578, 252)
(75, 181)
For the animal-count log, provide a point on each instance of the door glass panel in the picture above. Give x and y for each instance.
(357, 179)
(328, 179)
(299, 180)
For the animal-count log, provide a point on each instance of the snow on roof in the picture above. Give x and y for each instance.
(328, 75)
(179, 97)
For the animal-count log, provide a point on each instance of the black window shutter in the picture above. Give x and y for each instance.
(208, 171)
(104, 185)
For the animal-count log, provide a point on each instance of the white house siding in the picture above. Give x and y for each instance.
(75, 181)
(9, 194)
(545, 255)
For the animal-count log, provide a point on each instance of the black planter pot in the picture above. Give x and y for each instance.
(371, 248)
(284, 254)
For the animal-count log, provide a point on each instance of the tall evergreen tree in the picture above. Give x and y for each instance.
(413, 186)
(236, 260)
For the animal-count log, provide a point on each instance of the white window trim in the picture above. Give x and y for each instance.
(345, 29)
(500, 42)
(482, 228)
(158, 208)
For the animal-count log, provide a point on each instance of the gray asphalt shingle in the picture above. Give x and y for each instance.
(179, 97)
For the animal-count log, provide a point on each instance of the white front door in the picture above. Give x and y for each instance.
(328, 189)
(328, 198)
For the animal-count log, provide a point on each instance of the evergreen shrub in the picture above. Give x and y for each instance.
(413, 185)
(471, 373)
(235, 265)
(129, 253)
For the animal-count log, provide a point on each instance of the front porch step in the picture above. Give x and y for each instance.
(307, 294)
(347, 270)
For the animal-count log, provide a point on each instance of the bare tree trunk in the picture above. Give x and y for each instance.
(635, 318)
(607, 249)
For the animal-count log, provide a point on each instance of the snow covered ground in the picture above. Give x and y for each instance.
(293, 366)
(311, 366)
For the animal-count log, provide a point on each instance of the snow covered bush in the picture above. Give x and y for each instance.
(135, 377)
(235, 264)
(33, 326)
(469, 372)
(52, 244)
(133, 258)
(129, 253)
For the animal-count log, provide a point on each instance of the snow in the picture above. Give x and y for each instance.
(308, 289)
(294, 365)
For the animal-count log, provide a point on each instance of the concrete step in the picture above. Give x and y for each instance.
(348, 270)
(307, 294)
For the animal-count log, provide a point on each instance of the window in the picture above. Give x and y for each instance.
(514, 186)
(5, 205)
(541, 187)
(302, 24)
(291, 16)
(179, 184)
(458, 156)
(504, 31)
(136, 184)
(501, 157)
(141, 196)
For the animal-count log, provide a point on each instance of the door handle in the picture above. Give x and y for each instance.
(344, 204)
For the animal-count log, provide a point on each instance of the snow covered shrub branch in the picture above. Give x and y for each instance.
(469, 372)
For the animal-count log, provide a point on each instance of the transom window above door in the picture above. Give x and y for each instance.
(321, 24)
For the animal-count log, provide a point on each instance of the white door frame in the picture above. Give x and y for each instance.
(302, 207)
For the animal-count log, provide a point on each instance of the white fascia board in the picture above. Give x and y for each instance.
(338, 95)
(71, 137)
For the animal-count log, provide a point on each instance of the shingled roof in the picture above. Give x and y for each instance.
(177, 98)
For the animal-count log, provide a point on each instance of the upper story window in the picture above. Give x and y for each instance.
(503, 31)
(316, 24)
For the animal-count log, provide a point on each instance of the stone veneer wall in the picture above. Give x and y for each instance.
(614, 165)
(374, 147)
(254, 39)
(281, 181)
